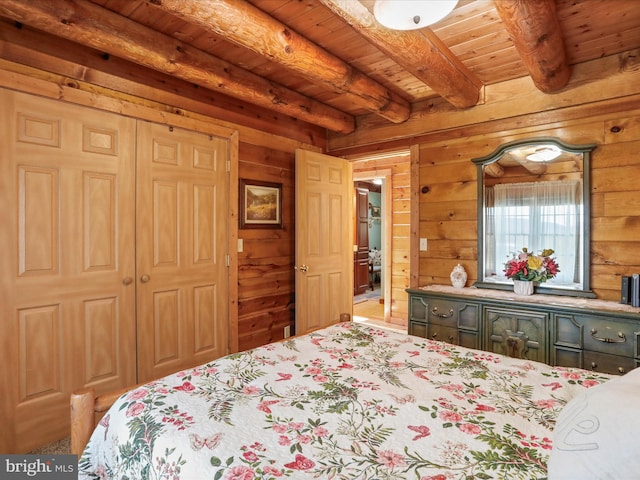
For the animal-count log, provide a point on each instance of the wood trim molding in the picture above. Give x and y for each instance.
(232, 224)
(414, 226)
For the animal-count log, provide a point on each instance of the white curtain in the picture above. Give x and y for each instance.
(535, 215)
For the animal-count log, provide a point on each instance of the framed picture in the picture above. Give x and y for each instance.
(375, 211)
(260, 204)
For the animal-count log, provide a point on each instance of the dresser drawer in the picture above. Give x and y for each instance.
(418, 329)
(608, 336)
(599, 334)
(444, 334)
(453, 314)
(464, 338)
(442, 312)
(434, 332)
(606, 363)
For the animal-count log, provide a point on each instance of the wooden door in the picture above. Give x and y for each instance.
(361, 253)
(67, 311)
(324, 240)
(182, 249)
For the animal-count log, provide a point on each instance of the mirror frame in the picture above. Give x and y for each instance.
(585, 150)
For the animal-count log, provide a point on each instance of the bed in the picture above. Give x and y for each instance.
(348, 401)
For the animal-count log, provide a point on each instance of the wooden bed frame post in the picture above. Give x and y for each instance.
(83, 404)
(85, 408)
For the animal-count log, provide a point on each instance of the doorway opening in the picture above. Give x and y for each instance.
(369, 251)
(398, 171)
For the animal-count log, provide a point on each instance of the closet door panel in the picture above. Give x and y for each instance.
(99, 222)
(39, 369)
(182, 204)
(167, 327)
(101, 339)
(66, 312)
(38, 230)
(207, 329)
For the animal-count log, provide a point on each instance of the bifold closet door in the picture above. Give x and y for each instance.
(181, 243)
(67, 296)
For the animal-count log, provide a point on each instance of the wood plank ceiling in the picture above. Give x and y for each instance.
(327, 62)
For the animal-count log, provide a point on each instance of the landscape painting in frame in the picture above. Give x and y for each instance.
(260, 204)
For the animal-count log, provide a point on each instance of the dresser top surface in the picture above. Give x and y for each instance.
(549, 300)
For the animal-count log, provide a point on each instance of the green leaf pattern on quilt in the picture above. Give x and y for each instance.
(348, 402)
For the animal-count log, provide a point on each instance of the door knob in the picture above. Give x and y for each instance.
(127, 280)
(145, 278)
(302, 268)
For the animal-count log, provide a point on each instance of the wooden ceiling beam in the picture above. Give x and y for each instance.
(494, 170)
(420, 52)
(537, 35)
(247, 26)
(89, 24)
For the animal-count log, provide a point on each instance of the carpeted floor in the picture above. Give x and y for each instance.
(56, 448)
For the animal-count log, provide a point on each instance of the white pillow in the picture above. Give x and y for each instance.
(597, 434)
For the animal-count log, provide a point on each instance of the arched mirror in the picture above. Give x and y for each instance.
(534, 194)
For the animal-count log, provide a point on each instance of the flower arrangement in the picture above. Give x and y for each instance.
(527, 266)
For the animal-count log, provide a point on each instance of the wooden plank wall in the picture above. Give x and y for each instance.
(37, 63)
(600, 105)
(266, 280)
(448, 210)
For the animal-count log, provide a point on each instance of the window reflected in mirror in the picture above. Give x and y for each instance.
(534, 194)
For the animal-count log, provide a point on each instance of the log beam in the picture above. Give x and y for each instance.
(536, 33)
(494, 170)
(420, 52)
(249, 27)
(89, 24)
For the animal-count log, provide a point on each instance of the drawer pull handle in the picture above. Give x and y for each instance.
(594, 365)
(434, 336)
(621, 337)
(434, 311)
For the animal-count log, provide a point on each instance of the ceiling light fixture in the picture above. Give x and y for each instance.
(544, 154)
(411, 14)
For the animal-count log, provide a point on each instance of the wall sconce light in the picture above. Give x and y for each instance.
(411, 14)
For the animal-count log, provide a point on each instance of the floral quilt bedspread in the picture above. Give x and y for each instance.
(346, 402)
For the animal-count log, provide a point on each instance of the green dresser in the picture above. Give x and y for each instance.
(453, 320)
(564, 331)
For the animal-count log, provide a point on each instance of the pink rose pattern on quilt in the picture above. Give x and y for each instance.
(349, 401)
